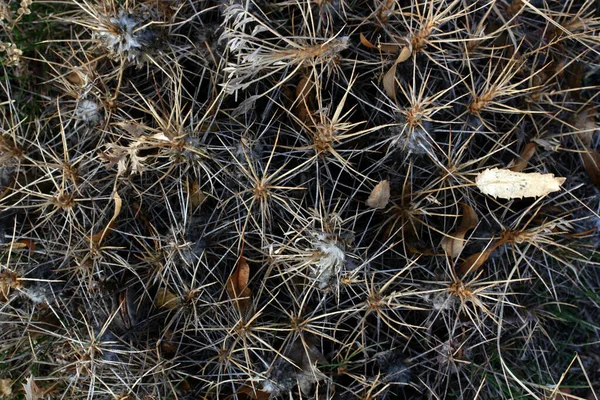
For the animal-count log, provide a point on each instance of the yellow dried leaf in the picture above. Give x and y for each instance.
(506, 184)
(98, 237)
(404, 54)
(389, 82)
(454, 244)
(380, 195)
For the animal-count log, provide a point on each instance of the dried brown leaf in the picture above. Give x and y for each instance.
(475, 261)
(237, 286)
(520, 164)
(365, 42)
(380, 195)
(507, 184)
(454, 244)
(98, 237)
(166, 299)
(404, 54)
(389, 82)
(389, 79)
(197, 197)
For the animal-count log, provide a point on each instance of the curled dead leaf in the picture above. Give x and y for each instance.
(404, 54)
(197, 197)
(520, 163)
(98, 237)
(77, 78)
(380, 195)
(389, 82)
(475, 261)
(386, 47)
(389, 79)
(514, 7)
(237, 286)
(507, 184)
(166, 299)
(365, 42)
(304, 102)
(454, 244)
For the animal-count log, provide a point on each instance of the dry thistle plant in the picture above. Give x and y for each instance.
(323, 199)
